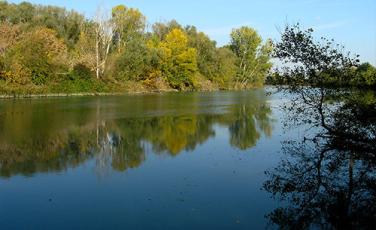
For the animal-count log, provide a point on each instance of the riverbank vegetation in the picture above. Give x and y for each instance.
(47, 49)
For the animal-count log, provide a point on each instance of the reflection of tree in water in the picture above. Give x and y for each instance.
(40, 155)
(329, 180)
(119, 144)
(175, 134)
(249, 120)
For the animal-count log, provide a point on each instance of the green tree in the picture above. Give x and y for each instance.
(67, 24)
(253, 57)
(215, 64)
(206, 51)
(226, 69)
(16, 14)
(132, 64)
(36, 58)
(128, 23)
(365, 75)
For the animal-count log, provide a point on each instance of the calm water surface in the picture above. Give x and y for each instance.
(173, 161)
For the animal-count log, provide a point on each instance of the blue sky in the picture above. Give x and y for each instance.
(350, 22)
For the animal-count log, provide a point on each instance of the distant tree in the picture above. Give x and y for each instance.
(162, 29)
(206, 51)
(365, 75)
(103, 29)
(128, 24)
(253, 57)
(66, 23)
(16, 14)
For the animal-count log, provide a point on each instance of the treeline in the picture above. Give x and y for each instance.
(50, 49)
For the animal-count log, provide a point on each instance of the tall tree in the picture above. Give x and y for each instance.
(128, 24)
(253, 57)
(206, 51)
(103, 28)
(179, 63)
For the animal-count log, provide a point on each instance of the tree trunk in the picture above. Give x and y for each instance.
(98, 57)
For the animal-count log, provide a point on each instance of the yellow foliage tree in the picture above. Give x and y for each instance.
(177, 62)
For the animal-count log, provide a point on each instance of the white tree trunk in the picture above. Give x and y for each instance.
(104, 35)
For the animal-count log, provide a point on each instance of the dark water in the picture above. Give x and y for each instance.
(174, 161)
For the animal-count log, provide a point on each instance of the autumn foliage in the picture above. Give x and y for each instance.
(54, 50)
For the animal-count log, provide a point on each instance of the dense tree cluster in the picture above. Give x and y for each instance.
(51, 49)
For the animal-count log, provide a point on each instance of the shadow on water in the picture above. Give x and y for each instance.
(56, 134)
(327, 179)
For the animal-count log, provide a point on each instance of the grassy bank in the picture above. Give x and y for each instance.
(89, 88)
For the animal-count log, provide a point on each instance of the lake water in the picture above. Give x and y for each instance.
(172, 161)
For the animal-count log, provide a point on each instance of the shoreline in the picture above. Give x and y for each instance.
(61, 95)
(97, 94)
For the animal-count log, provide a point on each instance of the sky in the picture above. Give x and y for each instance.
(350, 22)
